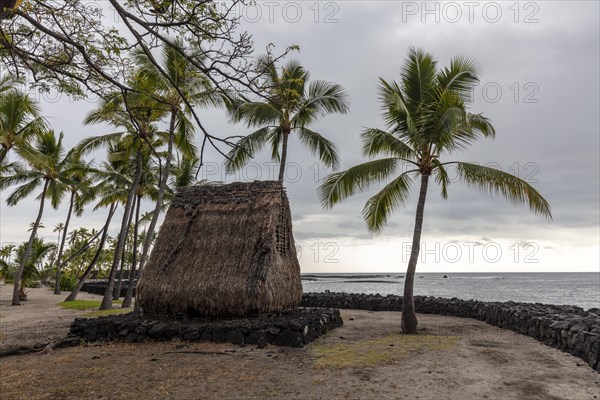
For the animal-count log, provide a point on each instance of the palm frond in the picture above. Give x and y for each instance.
(246, 148)
(377, 142)
(275, 137)
(184, 138)
(323, 98)
(256, 114)
(418, 76)
(9, 82)
(379, 207)
(482, 124)
(19, 174)
(441, 178)
(460, 77)
(495, 182)
(93, 143)
(23, 191)
(56, 192)
(38, 160)
(265, 66)
(320, 146)
(341, 185)
(396, 113)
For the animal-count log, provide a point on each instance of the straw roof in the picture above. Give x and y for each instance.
(223, 250)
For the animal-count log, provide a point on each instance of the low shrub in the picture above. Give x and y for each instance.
(67, 282)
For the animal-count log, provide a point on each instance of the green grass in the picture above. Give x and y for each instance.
(100, 313)
(83, 305)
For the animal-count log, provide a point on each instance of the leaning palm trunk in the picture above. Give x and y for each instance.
(62, 245)
(129, 294)
(161, 195)
(284, 147)
(73, 295)
(82, 249)
(409, 317)
(108, 293)
(117, 291)
(25, 258)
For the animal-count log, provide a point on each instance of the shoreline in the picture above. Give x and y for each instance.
(579, 289)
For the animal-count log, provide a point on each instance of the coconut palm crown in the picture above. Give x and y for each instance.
(291, 105)
(427, 119)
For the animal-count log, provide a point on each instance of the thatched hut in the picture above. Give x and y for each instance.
(223, 250)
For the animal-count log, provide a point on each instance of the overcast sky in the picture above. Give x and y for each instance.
(539, 86)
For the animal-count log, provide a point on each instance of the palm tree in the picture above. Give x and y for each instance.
(185, 175)
(134, 252)
(112, 189)
(146, 189)
(427, 119)
(6, 255)
(97, 254)
(6, 251)
(60, 228)
(137, 112)
(80, 189)
(46, 163)
(178, 80)
(290, 107)
(39, 251)
(19, 119)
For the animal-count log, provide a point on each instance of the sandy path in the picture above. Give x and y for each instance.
(452, 359)
(39, 319)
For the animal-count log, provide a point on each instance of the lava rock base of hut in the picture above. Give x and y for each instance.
(291, 329)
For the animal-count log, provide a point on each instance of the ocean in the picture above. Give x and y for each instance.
(580, 289)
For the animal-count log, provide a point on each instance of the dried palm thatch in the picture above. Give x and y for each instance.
(223, 250)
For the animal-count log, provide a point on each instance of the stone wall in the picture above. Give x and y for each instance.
(568, 328)
(293, 329)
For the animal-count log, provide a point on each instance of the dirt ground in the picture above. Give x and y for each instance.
(367, 358)
(38, 319)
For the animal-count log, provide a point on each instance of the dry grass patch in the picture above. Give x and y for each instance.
(368, 353)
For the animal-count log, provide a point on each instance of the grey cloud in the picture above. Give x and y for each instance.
(558, 135)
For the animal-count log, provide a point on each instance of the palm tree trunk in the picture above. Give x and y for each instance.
(129, 294)
(25, 258)
(117, 291)
(284, 147)
(162, 187)
(62, 245)
(409, 317)
(107, 299)
(73, 295)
